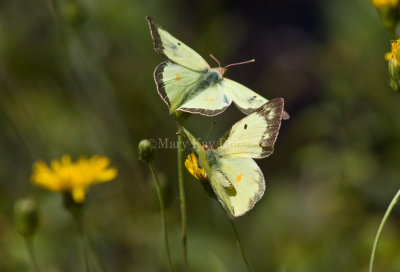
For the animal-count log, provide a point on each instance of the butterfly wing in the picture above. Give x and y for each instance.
(238, 183)
(187, 90)
(174, 83)
(245, 180)
(210, 101)
(244, 98)
(175, 50)
(254, 136)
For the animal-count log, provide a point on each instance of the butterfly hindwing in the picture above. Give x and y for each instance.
(246, 181)
(254, 136)
(175, 83)
(244, 98)
(175, 50)
(187, 90)
(210, 101)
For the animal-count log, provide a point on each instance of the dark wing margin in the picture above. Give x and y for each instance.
(158, 78)
(285, 115)
(274, 124)
(203, 111)
(155, 36)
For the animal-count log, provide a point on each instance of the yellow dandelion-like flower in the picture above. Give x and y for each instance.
(65, 176)
(382, 3)
(395, 49)
(193, 168)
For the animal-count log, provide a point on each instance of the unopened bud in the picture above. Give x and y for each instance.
(26, 216)
(394, 66)
(147, 152)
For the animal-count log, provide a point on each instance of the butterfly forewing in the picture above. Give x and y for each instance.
(175, 50)
(254, 136)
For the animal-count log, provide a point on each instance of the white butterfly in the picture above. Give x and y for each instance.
(187, 83)
(230, 169)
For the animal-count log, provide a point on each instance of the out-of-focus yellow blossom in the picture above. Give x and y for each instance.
(381, 3)
(388, 11)
(388, 56)
(75, 178)
(395, 49)
(193, 168)
(394, 67)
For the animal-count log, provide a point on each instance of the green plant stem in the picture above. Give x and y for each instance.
(378, 234)
(182, 201)
(163, 216)
(79, 222)
(239, 244)
(31, 252)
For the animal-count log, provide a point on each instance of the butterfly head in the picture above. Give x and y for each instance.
(222, 70)
(207, 147)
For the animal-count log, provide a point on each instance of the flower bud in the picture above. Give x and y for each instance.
(26, 216)
(394, 66)
(182, 115)
(72, 12)
(388, 11)
(147, 152)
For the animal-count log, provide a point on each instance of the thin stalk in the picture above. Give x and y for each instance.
(79, 222)
(163, 216)
(182, 201)
(31, 252)
(378, 234)
(239, 244)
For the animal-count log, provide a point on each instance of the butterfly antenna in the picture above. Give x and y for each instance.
(217, 61)
(211, 128)
(240, 63)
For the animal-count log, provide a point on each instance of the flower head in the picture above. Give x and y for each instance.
(75, 178)
(395, 44)
(387, 10)
(382, 3)
(394, 65)
(193, 168)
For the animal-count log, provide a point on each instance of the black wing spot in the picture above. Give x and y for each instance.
(245, 126)
(179, 43)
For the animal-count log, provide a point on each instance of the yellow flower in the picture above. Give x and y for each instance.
(381, 3)
(75, 178)
(395, 49)
(193, 168)
(388, 56)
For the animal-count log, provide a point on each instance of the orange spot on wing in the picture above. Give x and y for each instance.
(178, 77)
(239, 177)
(210, 100)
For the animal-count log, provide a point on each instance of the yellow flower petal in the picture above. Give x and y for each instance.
(381, 3)
(193, 168)
(72, 177)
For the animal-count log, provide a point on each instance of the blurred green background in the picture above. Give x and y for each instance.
(77, 77)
